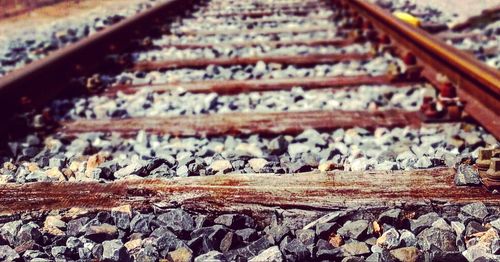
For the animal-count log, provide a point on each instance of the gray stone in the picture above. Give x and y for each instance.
(73, 243)
(298, 250)
(442, 224)
(247, 234)
(272, 254)
(467, 176)
(222, 166)
(229, 241)
(458, 227)
(9, 231)
(389, 239)
(140, 224)
(297, 148)
(59, 252)
(212, 256)
(257, 164)
(177, 220)
(278, 145)
(422, 222)
(29, 232)
(113, 250)
(8, 254)
(75, 227)
(407, 238)
(444, 240)
(390, 216)
(323, 230)
(101, 233)
(477, 210)
(354, 230)
(325, 251)
(235, 221)
(277, 232)
(306, 236)
(496, 223)
(474, 227)
(355, 248)
(182, 171)
(407, 254)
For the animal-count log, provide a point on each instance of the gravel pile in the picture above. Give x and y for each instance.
(261, 50)
(486, 47)
(466, 233)
(147, 104)
(37, 42)
(107, 157)
(237, 24)
(375, 66)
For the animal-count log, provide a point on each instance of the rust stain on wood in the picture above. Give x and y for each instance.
(260, 85)
(311, 191)
(302, 60)
(247, 123)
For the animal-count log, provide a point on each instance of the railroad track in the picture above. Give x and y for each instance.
(259, 131)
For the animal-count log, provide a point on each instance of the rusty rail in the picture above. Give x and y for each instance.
(478, 85)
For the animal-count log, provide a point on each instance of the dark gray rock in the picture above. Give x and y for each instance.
(390, 216)
(278, 145)
(247, 234)
(212, 256)
(306, 236)
(229, 241)
(325, 251)
(167, 243)
(235, 221)
(355, 229)
(354, 248)
(297, 250)
(121, 219)
(277, 232)
(251, 250)
(29, 232)
(407, 238)
(177, 220)
(323, 230)
(75, 227)
(442, 256)
(474, 227)
(59, 252)
(201, 244)
(422, 222)
(477, 210)
(10, 230)
(8, 254)
(467, 176)
(140, 223)
(101, 233)
(113, 250)
(432, 237)
(161, 231)
(389, 239)
(73, 243)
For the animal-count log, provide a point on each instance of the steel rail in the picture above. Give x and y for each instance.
(478, 85)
